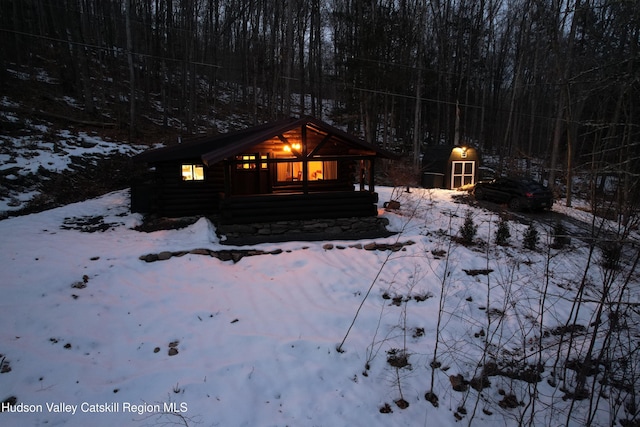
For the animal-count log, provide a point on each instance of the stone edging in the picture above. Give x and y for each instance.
(236, 255)
(314, 229)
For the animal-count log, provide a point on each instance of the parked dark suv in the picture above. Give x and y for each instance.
(519, 194)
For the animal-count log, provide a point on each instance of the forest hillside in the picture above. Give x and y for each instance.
(548, 89)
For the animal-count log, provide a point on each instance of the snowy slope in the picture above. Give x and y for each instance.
(89, 325)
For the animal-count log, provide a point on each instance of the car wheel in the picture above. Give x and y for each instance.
(478, 193)
(515, 204)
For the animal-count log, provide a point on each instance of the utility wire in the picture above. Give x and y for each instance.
(121, 51)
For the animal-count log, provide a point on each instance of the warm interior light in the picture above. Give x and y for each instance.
(192, 172)
(289, 148)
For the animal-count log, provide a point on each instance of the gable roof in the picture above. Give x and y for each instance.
(436, 157)
(214, 149)
(195, 147)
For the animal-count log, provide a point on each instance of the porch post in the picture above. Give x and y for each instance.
(371, 175)
(305, 160)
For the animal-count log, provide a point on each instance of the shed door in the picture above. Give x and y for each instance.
(462, 173)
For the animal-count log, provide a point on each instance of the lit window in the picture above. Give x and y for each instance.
(192, 173)
(248, 162)
(317, 171)
(290, 171)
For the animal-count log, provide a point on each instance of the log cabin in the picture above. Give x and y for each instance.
(293, 169)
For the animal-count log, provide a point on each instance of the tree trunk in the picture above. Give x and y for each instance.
(288, 58)
(417, 122)
(132, 74)
(555, 143)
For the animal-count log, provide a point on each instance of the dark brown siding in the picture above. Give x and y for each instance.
(175, 198)
(281, 207)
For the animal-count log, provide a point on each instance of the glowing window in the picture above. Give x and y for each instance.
(192, 172)
(317, 171)
(248, 162)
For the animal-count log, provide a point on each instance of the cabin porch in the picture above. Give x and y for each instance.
(297, 206)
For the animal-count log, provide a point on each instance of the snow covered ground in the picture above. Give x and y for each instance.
(23, 157)
(38, 147)
(90, 327)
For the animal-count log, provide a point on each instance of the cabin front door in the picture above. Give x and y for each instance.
(462, 173)
(251, 175)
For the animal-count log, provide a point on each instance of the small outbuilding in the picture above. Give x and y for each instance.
(293, 169)
(450, 167)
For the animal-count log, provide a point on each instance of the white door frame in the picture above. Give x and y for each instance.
(463, 174)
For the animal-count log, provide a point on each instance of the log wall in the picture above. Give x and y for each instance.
(285, 207)
(175, 198)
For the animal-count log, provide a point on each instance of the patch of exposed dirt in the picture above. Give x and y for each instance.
(402, 404)
(398, 358)
(386, 409)
(397, 300)
(510, 401)
(11, 401)
(574, 329)
(89, 176)
(433, 398)
(150, 224)
(88, 224)
(5, 367)
(484, 272)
